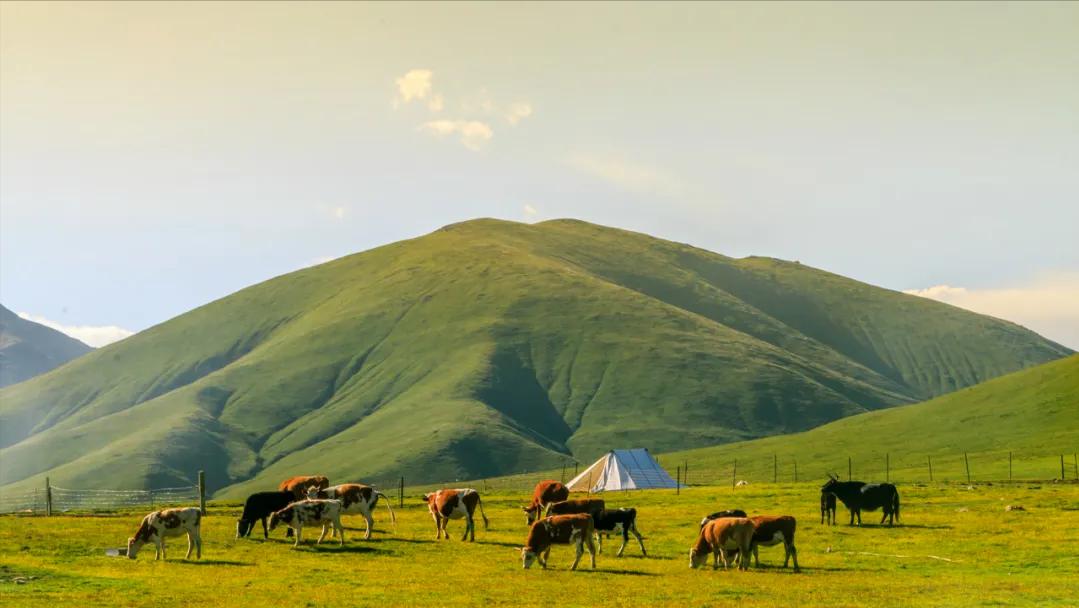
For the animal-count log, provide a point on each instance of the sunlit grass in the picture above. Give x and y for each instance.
(996, 558)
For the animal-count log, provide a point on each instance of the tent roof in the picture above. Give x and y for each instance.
(633, 469)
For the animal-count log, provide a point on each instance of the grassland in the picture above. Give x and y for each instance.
(490, 347)
(989, 557)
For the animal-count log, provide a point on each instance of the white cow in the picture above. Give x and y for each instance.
(324, 513)
(159, 525)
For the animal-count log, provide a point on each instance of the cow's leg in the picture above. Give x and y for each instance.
(546, 556)
(579, 549)
(190, 541)
(755, 549)
(340, 531)
(640, 539)
(159, 549)
(370, 523)
(468, 527)
(599, 542)
(299, 532)
(851, 517)
(793, 553)
(325, 529)
(265, 530)
(198, 543)
(591, 552)
(723, 556)
(625, 540)
(859, 512)
(438, 526)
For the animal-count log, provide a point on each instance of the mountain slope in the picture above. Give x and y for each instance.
(488, 347)
(1034, 414)
(28, 349)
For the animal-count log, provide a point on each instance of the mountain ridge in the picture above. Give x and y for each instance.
(29, 349)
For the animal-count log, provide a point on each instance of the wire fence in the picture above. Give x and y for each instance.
(50, 499)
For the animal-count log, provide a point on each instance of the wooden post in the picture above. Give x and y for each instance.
(685, 472)
(1009, 466)
(401, 493)
(734, 474)
(966, 461)
(1062, 467)
(775, 468)
(48, 498)
(887, 468)
(678, 480)
(930, 459)
(202, 492)
(1075, 460)
(795, 471)
(848, 469)
(574, 469)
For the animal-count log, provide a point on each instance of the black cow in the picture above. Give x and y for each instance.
(261, 505)
(613, 522)
(718, 514)
(827, 508)
(859, 495)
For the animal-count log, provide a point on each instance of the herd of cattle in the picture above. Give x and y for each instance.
(552, 517)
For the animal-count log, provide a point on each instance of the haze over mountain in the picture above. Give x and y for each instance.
(28, 349)
(489, 347)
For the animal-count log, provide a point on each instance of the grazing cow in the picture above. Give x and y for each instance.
(720, 537)
(259, 506)
(318, 512)
(621, 521)
(358, 498)
(827, 508)
(574, 529)
(159, 525)
(727, 513)
(592, 506)
(445, 505)
(545, 493)
(858, 496)
(299, 485)
(771, 530)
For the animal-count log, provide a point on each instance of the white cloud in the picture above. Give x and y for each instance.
(1048, 304)
(437, 103)
(415, 84)
(94, 335)
(529, 211)
(338, 212)
(518, 111)
(474, 134)
(627, 175)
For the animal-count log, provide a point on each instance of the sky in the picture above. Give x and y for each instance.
(158, 156)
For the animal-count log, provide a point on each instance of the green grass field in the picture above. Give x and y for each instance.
(987, 557)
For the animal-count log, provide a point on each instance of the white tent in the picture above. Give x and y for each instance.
(622, 470)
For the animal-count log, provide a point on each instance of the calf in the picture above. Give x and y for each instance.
(827, 508)
(445, 505)
(299, 485)
(858, 496)
(720, 537)
(259, 506)
(574, 529)
(318, 512)
(621, 521)
(358, 498)
(545, 493)
(719, 514)
(159, 525)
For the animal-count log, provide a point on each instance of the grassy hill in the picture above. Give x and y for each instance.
(488, 347)
(28, 349)
(1033, 413)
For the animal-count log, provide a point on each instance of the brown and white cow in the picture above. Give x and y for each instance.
(545, 493)
(771, 530)
(357, 498)
(720, 537)
(299, 485)
(159, 525)
(447, 504)
(318, 512)
(592, 506)
(576, 530)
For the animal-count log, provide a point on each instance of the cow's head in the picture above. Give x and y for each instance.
(427, 497)
(833, 479)
(284, 515)
(243, 527)
(133, 546)
(312, 492)
(531, 514)
(697, 559)
(527, 557)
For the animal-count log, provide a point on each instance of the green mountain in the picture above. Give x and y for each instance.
(28, 349)
(489, 347)
(1032, 414)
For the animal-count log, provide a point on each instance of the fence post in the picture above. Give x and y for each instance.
(685, 472)
(1062, 467)
(795, 471)
(574, 468)
(966, 461)
(1009, 466)
(887, 468)
(678, 480)
(775, 468)
(48, 498)
(401, 494)
(930, 459)
(734, 474)
(1075, 459)
(848, 469)
(202, 492)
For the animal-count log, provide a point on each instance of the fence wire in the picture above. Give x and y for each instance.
(68, 500)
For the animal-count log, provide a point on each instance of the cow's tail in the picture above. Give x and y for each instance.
(393, 518)
(479, 503)
(895, 504)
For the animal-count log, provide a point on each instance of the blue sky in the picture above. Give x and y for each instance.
(154, 157)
